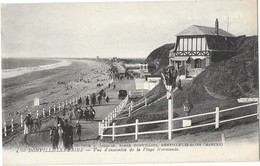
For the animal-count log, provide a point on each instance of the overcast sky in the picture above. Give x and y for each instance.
(113, 29)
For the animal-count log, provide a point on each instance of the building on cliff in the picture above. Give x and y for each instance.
(199, 46)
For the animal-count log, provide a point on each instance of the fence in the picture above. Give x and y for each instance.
(18, 126)
(12, 127)
(110, 117)
(136, 93)
(136, 125)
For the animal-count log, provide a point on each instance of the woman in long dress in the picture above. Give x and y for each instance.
(60, 132)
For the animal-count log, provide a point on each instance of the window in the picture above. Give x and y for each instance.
(197, 63)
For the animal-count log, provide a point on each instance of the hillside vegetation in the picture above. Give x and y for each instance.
(237, 77)
(159, 57)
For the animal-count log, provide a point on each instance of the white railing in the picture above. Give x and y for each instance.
(110, 117)
(45, 113)
(136, 125)
(136, 93)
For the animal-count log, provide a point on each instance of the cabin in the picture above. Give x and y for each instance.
(137, 69)
(199, 46)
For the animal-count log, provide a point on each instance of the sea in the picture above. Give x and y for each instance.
(13, 67)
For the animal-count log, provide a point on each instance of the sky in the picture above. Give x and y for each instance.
(113, 29)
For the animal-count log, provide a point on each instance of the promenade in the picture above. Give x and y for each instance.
(89, 129)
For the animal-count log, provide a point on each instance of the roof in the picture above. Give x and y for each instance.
(221, 43)
(202, 30)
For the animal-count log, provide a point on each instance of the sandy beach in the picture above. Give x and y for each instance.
(51, 86)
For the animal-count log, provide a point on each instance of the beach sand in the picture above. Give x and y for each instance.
(49, 87)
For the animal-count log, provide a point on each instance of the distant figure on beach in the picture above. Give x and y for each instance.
(87, 100)
(107, 99)
(99, 99)
(78, 130)
(93, 99)
(79, 101)
(26, 123)
(114, 86)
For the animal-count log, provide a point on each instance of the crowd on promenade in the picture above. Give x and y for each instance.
(62, 131)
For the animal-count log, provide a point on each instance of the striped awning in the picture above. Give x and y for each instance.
(180, 58)
(197, 57)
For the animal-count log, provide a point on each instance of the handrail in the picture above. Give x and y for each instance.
(228, 109)
(196, 126)
(241, 117)
(152, 122)
(193, 116)
(152, 132)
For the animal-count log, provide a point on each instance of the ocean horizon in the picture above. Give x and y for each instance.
(12, 67)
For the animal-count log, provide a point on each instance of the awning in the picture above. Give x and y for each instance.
(180, 58)
(198, 57)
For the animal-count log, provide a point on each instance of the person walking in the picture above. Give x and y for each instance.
(60, 132)
(87, 100)
(78, 130)
(26, 123)
(54, 137)
(68, 136)
(99, 99)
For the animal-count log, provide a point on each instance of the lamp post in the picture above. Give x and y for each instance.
(169, 92)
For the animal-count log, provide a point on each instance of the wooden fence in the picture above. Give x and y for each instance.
(136, 125)
(110, 117)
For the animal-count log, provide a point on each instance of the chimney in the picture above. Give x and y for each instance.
(216, 27)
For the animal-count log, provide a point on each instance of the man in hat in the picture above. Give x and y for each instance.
(78, 130)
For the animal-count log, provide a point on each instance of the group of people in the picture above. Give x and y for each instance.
(61, 135)
(30, 124)
(92, 99)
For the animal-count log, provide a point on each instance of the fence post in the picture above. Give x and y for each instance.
(99, 130)
(170, 114)
(106, 122)
(258, 111)
(132, 106)
(66, 102)
(129, 111)
(145, 101)
(217, 118)
(37, 114)
(43, 112)
(113, 132)
(5, 129)
(54, 109)
(12, 125)
(49, 110)
(111, 116)
(136, 129)
(21, 120)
